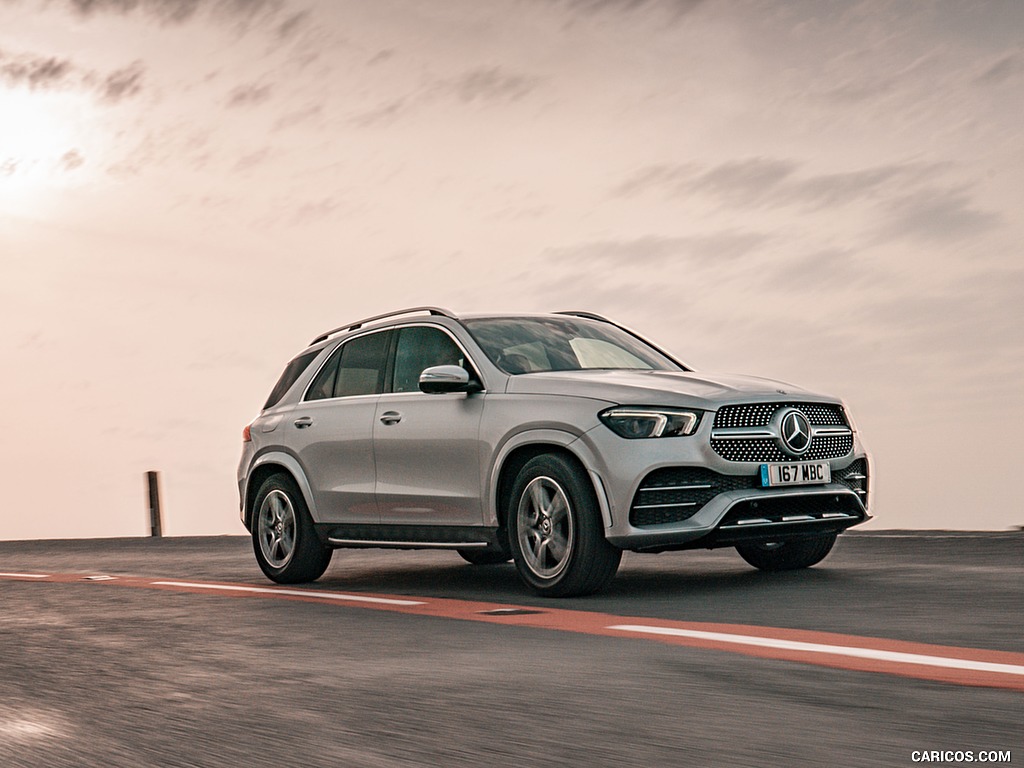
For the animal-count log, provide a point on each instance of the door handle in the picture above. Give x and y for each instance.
(304, 422)
(390, 417)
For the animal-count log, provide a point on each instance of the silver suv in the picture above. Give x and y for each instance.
(557, 441)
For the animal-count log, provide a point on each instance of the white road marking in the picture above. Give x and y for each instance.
(835, 650)
(291, 592)
(25, 575)
(993, 535)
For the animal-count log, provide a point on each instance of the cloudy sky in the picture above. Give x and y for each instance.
(828, 193)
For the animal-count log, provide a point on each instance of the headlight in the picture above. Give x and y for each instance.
(636, 422)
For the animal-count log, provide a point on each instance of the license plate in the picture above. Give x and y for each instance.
(795, 473)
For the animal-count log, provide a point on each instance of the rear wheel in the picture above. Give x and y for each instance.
(555, 530)
(286, 546)
(787, 555)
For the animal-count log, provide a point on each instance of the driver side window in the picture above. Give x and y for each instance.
(420, 347)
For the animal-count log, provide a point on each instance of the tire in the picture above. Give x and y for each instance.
(555, 530)
(485, 556)
(787, 555)
(287, 548)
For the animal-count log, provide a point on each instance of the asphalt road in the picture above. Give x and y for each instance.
(96, 675)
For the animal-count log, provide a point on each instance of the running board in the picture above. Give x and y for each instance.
(370, 535)
(367, 543)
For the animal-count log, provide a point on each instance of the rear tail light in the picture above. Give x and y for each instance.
(247, 433)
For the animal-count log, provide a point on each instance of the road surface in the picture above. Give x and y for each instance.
(177, 652)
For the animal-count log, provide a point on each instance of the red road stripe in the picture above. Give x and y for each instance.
(830, 649)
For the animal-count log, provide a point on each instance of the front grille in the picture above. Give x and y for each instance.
(766, 449)
(674, 494)
(764, 417)
(760, 414)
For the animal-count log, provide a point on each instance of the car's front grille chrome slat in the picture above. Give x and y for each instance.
(665, 506)
(674, 494)
(787, 521)
(676, 488)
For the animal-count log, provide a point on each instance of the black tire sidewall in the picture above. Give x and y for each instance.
(790, 556)
(310, 558)
(592, 560)
(485, 556)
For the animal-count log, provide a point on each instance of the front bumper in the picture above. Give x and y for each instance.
(735, 517)
(743, 513)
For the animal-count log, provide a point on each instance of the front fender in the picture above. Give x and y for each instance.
(553, 437)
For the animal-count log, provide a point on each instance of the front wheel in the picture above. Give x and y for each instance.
(485, 556)
(787, 555)
(286, 546)
(555, 530)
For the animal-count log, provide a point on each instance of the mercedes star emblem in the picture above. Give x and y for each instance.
(796, 432)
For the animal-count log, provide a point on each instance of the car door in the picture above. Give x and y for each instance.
(332, 430)
(428, 446)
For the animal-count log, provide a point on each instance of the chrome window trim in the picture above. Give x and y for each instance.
(395, 328)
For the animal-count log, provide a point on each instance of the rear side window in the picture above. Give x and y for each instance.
(355, 368)
(323, 385)
(291, 374)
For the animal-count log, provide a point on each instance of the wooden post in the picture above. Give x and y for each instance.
(155, 518)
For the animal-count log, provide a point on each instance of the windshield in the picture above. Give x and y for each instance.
(531, 345)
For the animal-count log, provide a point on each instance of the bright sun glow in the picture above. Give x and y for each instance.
(38, 150)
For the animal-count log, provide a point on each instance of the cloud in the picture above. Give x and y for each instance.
(166, 10)
(856, 90)
(315, 210)
(35, 71)
(385, 113)
(654, 250)
(298, 117)
(491, 84)
(252, 160)
(249, 95)
(381, 56)
(765, 182)
(175, 11)
(122, 83)
(1002, 69)
(485, 85)
(937, 215)
(739, 181)
(743, 181)
(851, 186)
(290, 25)
(676, 8)
(71, 160)
(42, 72)
(833, 269)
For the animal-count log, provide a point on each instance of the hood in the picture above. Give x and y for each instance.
(682, 388)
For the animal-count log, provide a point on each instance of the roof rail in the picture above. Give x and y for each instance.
(588, 316)
(364, 321)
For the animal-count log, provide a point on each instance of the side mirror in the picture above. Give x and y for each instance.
(447, 378)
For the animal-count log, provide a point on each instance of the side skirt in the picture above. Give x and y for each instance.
(409, 537)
